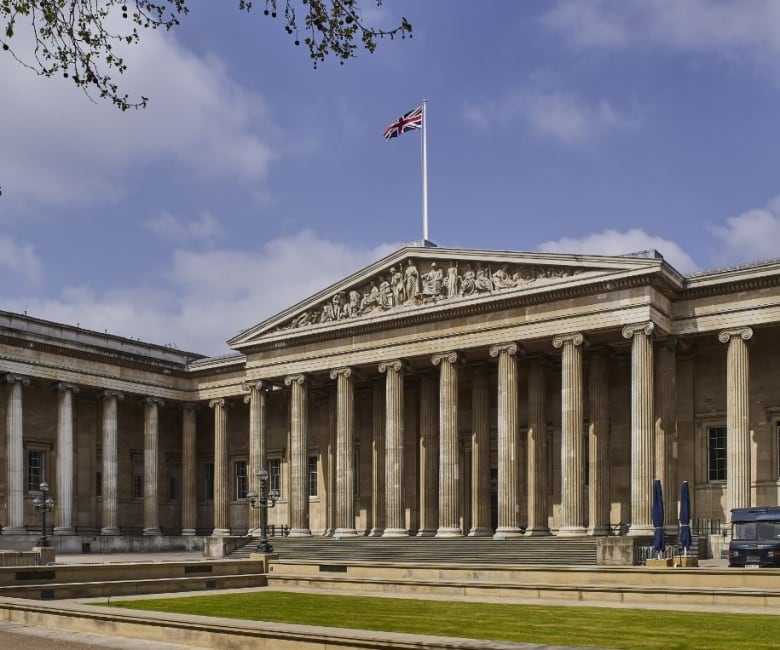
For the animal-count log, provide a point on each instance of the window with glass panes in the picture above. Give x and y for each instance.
(239, 474)
(716, 448)
(312, 476)
(275, 475)
(36, 469)
(208, 482)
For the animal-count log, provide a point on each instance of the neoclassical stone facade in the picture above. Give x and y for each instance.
(437, 392)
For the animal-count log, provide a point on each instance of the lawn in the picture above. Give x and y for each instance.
(574, 626)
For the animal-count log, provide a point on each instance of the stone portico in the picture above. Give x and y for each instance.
(440, 392)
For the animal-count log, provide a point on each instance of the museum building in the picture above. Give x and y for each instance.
(438, 391)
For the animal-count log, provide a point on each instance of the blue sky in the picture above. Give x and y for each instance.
(254, 180)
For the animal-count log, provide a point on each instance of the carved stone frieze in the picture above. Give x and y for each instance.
(436, 282)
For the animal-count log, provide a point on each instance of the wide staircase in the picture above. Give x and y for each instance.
(432, 550)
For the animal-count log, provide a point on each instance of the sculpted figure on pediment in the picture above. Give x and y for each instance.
(386, 300)
(334, 310)
(397, 283)
(502, 279)
(370, 300)
(451, 282)
(468, 284)
(352, 308)
(411, 281)
(482, 283)
(433, 283)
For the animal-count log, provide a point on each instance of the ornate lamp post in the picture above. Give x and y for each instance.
(263, 500)
(43, 503)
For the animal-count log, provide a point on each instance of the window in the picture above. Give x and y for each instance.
(312, 476)
(239, 474)
(716, 446)
(138, 479)
(36, 469)
(275, 475)
(208, 482)
(174, 482)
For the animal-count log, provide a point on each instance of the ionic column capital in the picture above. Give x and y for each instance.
(217, 402)
(13, 379)
(295, 379)
(646, 329)
(572, 338)
(449, 357)
(509, 348)
(190, 406)
(744, 333)
(343, 372)
(64, 387)
(112, 394)
(157, 401)
(395, 365)
(249, 386)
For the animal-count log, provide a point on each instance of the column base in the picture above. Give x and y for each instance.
(187, 532)
(599, 531)
(426, 532)
(110, 531)
(538, 532)
(480, 532)
(345, 532)
(637, 530)
(449, 532)
(503, 533)
(218, 532)
(572, 531)
(152, 531)
(64, 530)
(395, 532)
(376, 532)
(14, 530)
(299, 532)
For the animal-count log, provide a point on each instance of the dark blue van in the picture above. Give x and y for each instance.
(755, 537)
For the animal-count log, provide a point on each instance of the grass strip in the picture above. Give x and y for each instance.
(574, 626)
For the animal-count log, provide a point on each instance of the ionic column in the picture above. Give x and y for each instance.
(538, 481)
(394, 449)
(598, 445)
(151, 466)
(665, 386)
(429, 457)
(221, 480)
(257, 446)
(299, 447)
(345, 452)
(15, 455)
(508, 442)
(449, 452)
(572, 460)
(642, 428)
(737, 419)
(110, 462)
(188, 469)
(378, 460)
(64, 494)
(480, 453)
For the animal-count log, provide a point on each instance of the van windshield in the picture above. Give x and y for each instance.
(757, 530)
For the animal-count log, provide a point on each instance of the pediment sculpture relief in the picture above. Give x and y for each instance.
(408, 286)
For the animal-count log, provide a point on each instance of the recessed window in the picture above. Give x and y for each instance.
(312, 476)
(207, 482)
(275, 475)
(240, 481)
(716, 448)
(36, 469)
(174, 482)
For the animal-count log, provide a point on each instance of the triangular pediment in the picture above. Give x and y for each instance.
(415, 278)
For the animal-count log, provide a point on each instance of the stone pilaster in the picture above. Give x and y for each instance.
(429, 457)
(110, 462)
(449, 449)
(394, 449)
(665, 386)
(15, 455)
(221, 480)
(345, 452)
(378, 459)
(598, 445)
(189, 494)
(737, 418)
(299, 456)
(480, 453)
(538, 481)
(64, 493)
(151, 466)
(642, 428)
(257, 444)
(572, 457)
(508, 442)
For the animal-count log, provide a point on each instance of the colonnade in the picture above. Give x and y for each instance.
(441, 470)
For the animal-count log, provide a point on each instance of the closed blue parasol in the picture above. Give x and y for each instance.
(685, 517)
(658, 517)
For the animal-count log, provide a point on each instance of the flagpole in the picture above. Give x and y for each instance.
(424, 172)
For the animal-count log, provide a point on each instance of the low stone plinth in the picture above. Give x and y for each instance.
(686, 560)
(658, 563)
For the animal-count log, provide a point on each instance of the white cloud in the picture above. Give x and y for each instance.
(613, 242)
(21, 260)
(203, 229)
(551, 113)
(750, 236)
(706, 26)
(60, 148)
(204, 298)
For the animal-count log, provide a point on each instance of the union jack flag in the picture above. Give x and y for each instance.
(412, 120)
